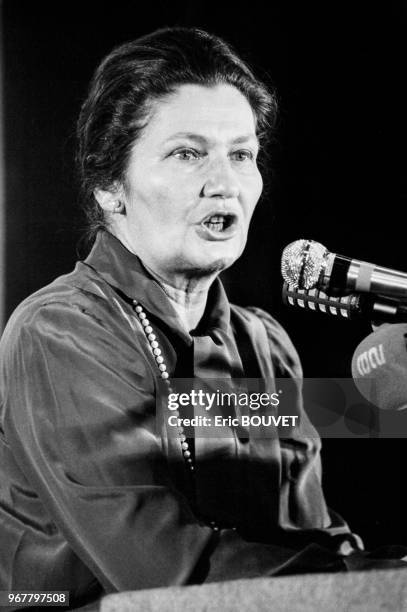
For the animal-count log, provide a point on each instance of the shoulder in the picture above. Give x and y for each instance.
(80, 304)
(282, 350)
(67, 341)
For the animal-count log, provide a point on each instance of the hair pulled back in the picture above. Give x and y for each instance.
(135, 75)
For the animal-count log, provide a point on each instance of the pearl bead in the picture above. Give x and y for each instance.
(187, 454)
(182, 437)
(148, 329)
(164, 374)
(157, 351)
(159, 359)
(142, 315)
(154, 344)
(185, 445)
(138, 309)
(151, 336)
(145, 322)
(162, 367)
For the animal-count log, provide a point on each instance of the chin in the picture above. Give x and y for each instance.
(204, 262)
(215, 264)
(221, 256)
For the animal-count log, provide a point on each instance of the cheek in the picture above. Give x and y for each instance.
(253, 192)
(170, 194)
(259, 184)
(152, 203)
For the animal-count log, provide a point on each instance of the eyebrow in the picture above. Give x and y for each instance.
(203, 140)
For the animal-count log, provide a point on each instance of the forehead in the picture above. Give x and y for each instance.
(214, 112)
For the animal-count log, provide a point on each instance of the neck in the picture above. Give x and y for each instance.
(187, 293)
(188, 298)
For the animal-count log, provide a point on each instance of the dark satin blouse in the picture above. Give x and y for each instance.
(91, 497)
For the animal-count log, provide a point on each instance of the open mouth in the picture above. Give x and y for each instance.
(219, 222)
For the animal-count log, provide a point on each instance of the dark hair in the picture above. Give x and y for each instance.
(134, 75)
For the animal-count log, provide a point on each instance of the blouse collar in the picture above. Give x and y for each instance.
(125, 272)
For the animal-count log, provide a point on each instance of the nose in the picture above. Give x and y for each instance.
(221, 181)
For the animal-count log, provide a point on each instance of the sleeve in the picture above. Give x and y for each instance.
(303, 510)
(79, 416)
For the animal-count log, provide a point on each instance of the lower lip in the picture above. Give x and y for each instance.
(207, 234)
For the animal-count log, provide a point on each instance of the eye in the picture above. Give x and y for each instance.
(243, 155)
(186, 154)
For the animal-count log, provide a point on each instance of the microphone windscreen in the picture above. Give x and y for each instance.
(379, 367)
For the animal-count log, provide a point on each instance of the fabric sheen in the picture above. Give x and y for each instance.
(91, 497)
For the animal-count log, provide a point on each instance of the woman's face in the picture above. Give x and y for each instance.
(192, 182)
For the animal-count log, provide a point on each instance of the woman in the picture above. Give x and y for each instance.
(93, 498)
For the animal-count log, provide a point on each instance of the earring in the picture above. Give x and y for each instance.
(118, 208)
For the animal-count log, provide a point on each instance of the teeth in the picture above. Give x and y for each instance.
(216, 219)
(216, 227)
(218, 223)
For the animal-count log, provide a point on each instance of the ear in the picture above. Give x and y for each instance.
(110, 201)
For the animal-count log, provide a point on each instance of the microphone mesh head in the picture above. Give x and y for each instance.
(302, 262)
(379, 367)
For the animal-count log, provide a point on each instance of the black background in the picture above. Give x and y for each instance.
(338, 172)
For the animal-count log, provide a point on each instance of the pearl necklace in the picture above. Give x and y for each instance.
(162, 368)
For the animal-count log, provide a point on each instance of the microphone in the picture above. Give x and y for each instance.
(351, 307)
(306, 264)
(379, 367)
